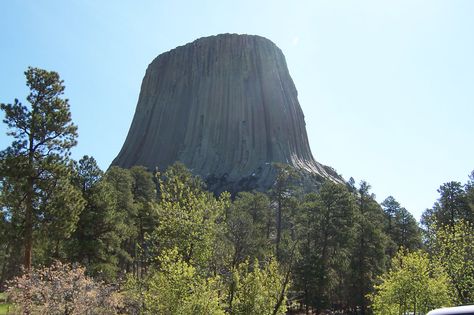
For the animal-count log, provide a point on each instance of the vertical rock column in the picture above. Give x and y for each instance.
(227, 108)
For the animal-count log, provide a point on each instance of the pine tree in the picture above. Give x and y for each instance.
(452, 205)
(246, 225)
(368, 258)
(125, 212)
(282, 193)
(401, 227)
(97, 241)
(326, 234)
(146, 216)
(35, 166)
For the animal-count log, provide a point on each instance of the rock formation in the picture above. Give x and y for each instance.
(227, 108)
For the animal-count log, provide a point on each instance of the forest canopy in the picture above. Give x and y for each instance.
(157, 242)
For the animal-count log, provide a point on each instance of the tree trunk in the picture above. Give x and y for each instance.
(29, 225)
(278, 236)
(414, 306)
(282, 293)
(30, 190)
(231, 296)
(286, 281)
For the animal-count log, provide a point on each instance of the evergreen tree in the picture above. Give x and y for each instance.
(351, 185)
(401, 227)
(451, 206)
(61, 212)
(391, 207)
(35, 165)
(246, 222)
(125, 211)
(146, 220)
(11, 232)
(368, 257)
(97, 241)
(282, 192)
(88, 173)
(469, 187)
(408, 232)
(326, 239)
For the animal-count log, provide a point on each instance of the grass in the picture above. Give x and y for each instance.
(4, 307)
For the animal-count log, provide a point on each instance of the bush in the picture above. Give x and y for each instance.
(62, 289)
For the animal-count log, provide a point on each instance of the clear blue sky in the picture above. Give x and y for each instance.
(387, 87)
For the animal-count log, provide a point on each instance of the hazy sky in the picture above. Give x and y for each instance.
(387, 87)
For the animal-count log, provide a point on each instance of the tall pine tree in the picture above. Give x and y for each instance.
(35, 166)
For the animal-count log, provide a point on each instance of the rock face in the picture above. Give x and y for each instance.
(227, 108)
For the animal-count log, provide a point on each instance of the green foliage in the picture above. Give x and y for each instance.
(247, 227)
(34, 168)
(470, 192)
(5, 307)
(256, 289)
(453, 205)
(327, 232)
(97, 241)
(60, 216)
(368, 257)
(43, 127)
(454, 250)
(120, 210)
(282, 194)
(146, 216)
(87, 174)
(125, 211)
(407, 232)
(413, 285)
(333, 243)
(176, 288)
(401, 227)
(188, 217)
(190, 227)
(448, 232)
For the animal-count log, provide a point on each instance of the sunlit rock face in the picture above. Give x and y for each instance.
(227, 108)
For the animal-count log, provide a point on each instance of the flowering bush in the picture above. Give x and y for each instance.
(62, 289)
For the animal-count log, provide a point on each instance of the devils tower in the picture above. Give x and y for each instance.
(227, 108)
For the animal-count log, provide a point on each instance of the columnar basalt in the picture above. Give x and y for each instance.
(227, 108)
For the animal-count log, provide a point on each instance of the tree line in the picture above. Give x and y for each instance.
(165, 245)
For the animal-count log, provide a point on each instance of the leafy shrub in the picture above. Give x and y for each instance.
(175, 288)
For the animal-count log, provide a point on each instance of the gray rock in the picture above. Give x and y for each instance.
(227, 108)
